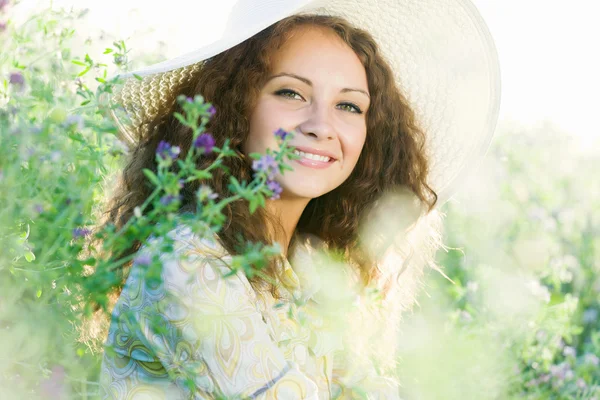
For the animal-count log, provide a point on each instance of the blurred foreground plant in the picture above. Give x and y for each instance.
(59, 149)
(520, 318)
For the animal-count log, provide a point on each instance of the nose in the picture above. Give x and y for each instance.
(318, 123)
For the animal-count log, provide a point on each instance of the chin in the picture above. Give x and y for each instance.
(306, 192)
(298, 185)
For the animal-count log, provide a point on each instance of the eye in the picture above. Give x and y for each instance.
(354, 107)
(287, 93)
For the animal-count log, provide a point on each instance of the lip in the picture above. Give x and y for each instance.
(317, 152)
(314, 163)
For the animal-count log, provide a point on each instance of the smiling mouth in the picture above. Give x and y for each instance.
(316, 164)
(314, 157)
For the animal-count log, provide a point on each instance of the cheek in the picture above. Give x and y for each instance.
(354, 145)
(259, 127)
(266, 115)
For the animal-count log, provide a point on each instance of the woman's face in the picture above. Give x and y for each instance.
(318, 87)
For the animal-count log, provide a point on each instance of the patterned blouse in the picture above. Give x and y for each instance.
(200, 335)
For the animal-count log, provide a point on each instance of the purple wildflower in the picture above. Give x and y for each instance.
(80, 232)
(569, 351)
(275, 187)
(29, 151)
(541, 335)
(472, 286)
(545, 378)
(16, 78)
(205, 143)
(54, 387)
(280, 133)
(465, 316)
(211, 111)
(79, 82)
(74, 119)
(165, 150)
(590, 315)
(168, 199)
(2, 26)
(38, 208)
(189, 100)
(591, 359)
(560, 371)
(119, 59)
(3, 4)
(266, 164)
(119, 147)
(205, 192)
(569, 374)
(142, 260)
(55, 156)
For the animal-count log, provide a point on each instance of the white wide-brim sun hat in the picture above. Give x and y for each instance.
(441, 51)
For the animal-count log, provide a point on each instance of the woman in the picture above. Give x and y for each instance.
(294, 65)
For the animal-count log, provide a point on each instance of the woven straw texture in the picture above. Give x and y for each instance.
(142, 99)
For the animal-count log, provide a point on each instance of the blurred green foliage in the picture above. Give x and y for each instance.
(521, 318)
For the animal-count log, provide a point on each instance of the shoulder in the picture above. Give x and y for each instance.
(186, 241)
(195, 266)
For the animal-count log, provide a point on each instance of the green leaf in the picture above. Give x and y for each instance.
(76, 137)
(38, 294)
(152, 177)
(139, 78)
(235, 183)
(200, 174)
(230, 273)
(108, 51)
(85, 71)
(29, 256)
(253, 205)
(255, 156)
(79, 63)
(83, 103)
(181, 119)
(24, 235)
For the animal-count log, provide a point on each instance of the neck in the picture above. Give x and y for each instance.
(288, 210)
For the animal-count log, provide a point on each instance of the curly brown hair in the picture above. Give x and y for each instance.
(393, 154)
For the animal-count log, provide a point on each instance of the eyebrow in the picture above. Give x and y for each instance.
(309, 83)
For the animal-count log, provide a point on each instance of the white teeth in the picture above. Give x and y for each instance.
(312, 156)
